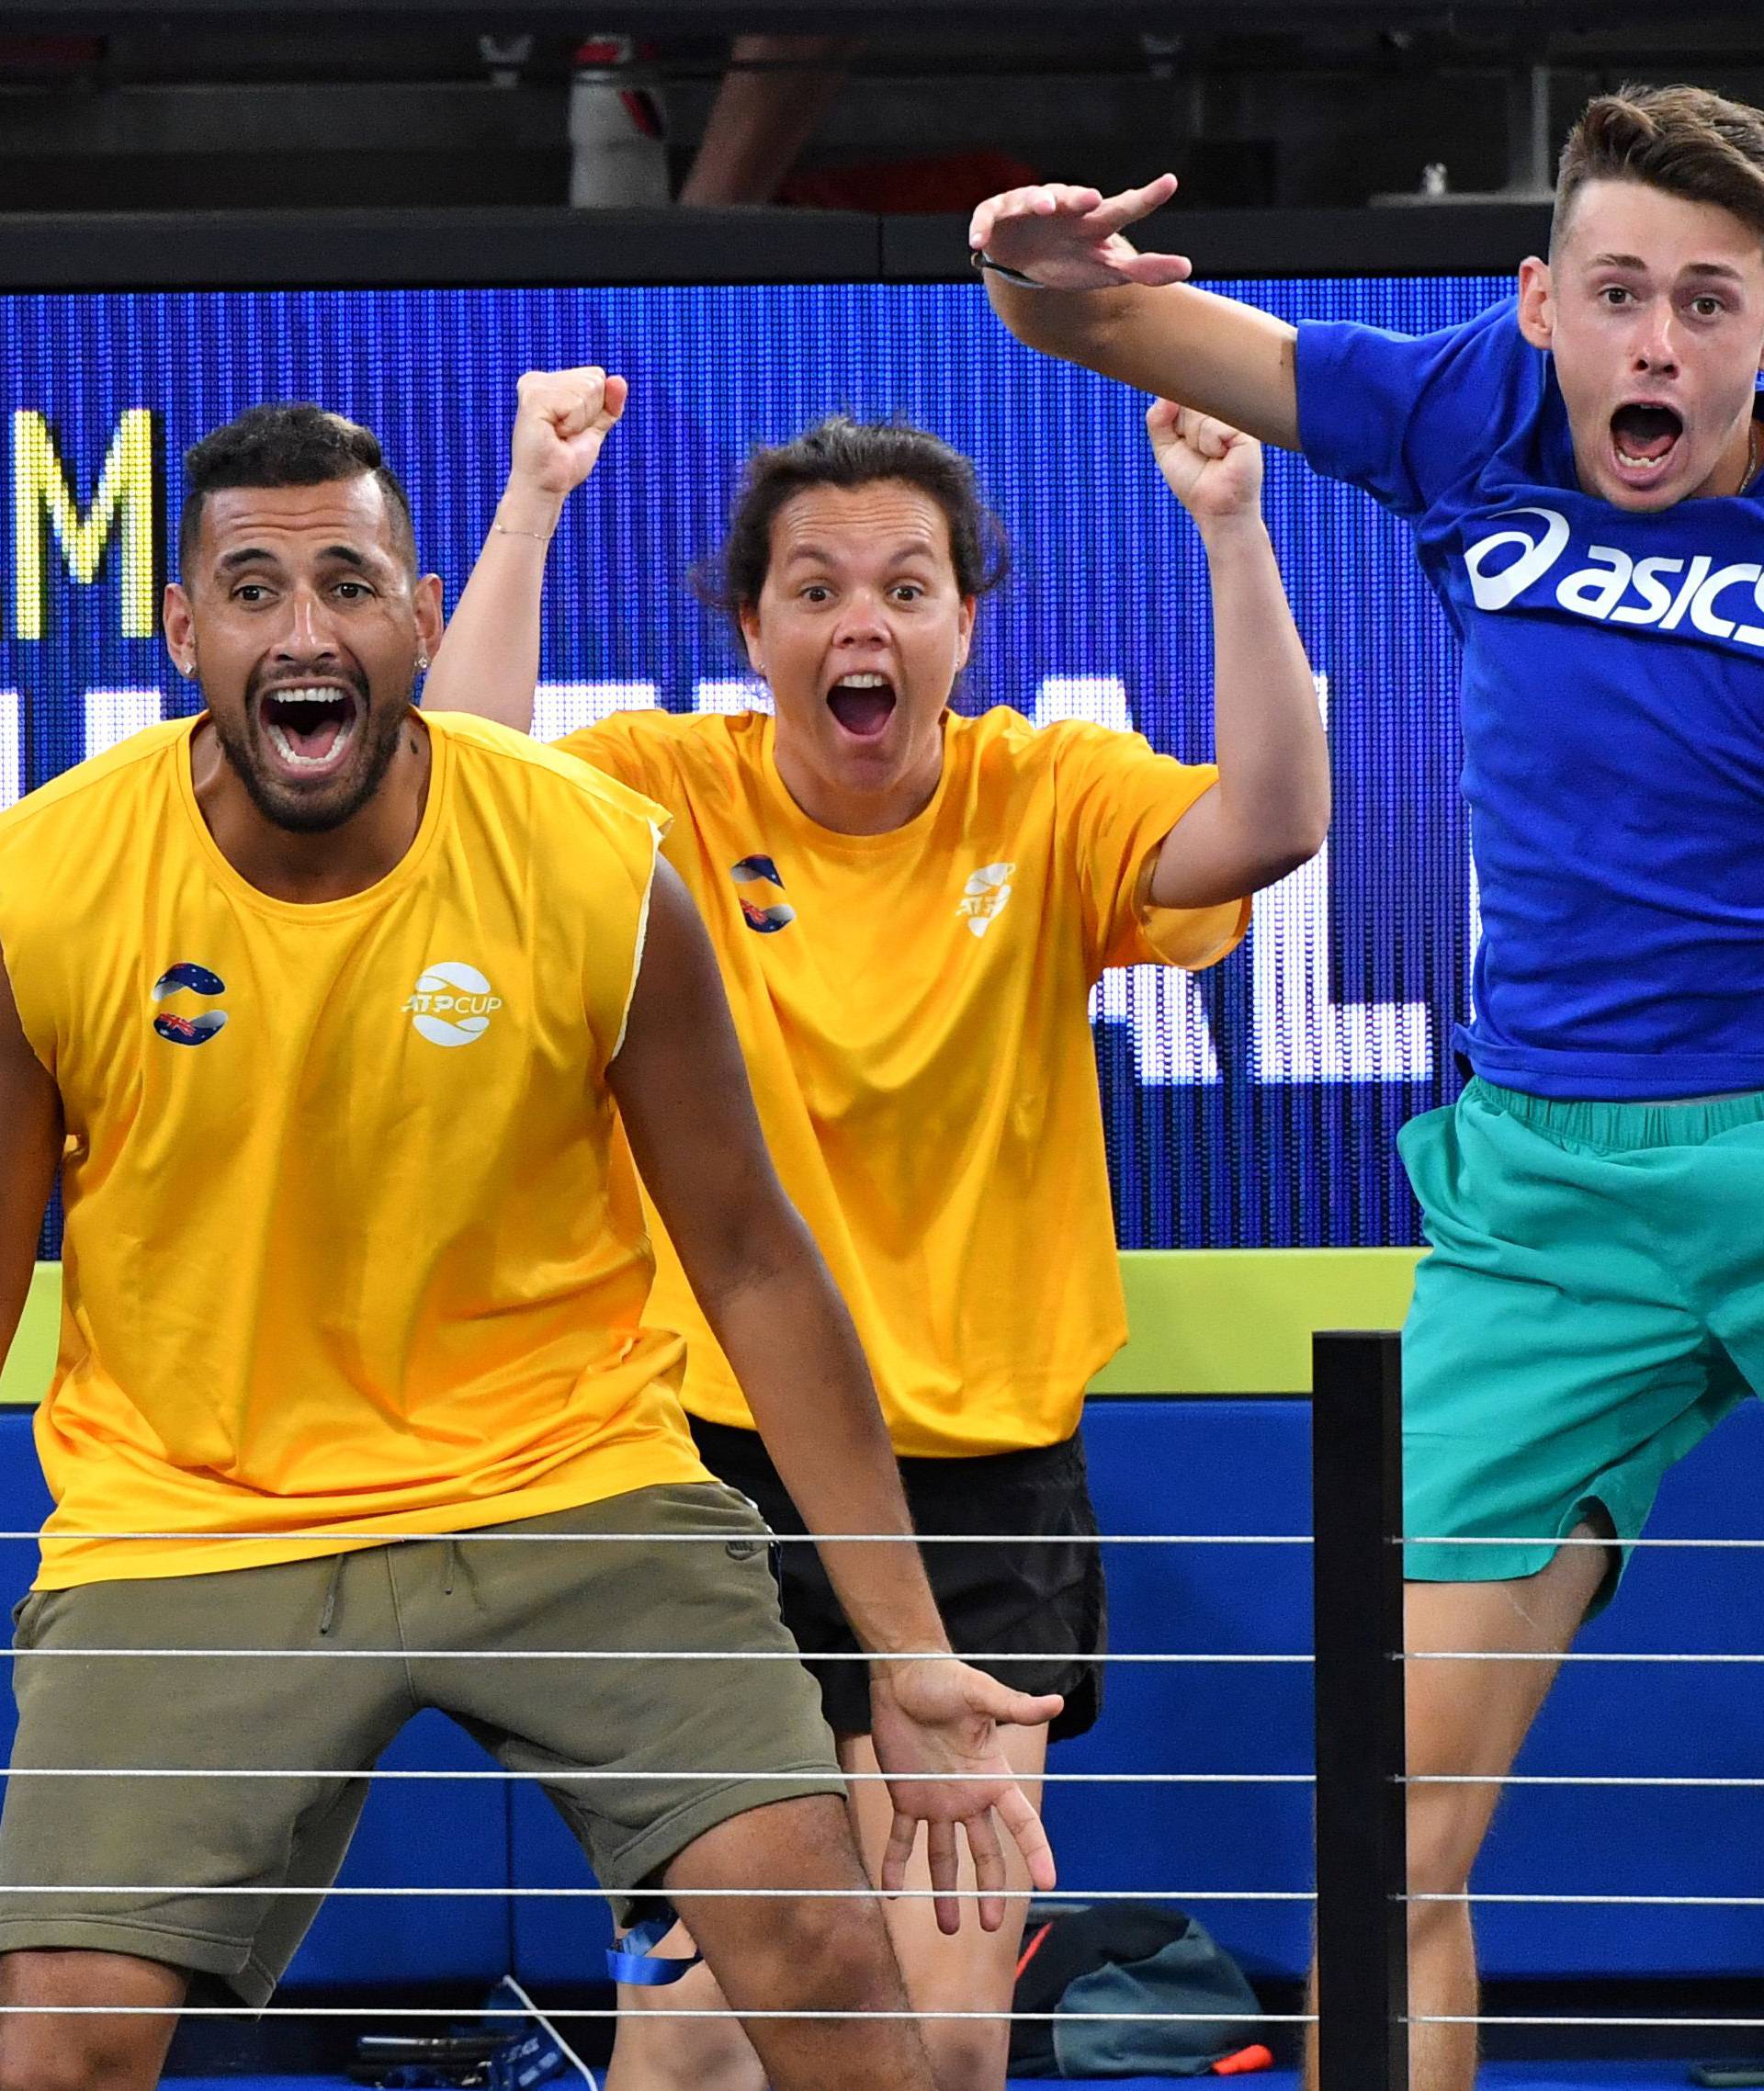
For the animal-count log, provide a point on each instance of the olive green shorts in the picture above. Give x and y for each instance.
(433, 1606)
(1592, 1308)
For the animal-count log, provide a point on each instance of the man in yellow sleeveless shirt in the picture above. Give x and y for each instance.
(334, 1018)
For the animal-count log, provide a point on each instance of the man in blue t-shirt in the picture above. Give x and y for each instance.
(1580, 468)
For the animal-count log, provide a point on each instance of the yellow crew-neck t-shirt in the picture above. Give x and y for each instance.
(914, 1009)
(354, 1245)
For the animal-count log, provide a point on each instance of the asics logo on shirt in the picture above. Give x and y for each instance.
(453, 1003)
(984, 897)
(1605, 583)
(763, 914)
(173, 1025)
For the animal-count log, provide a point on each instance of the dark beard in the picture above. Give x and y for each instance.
(295, 815)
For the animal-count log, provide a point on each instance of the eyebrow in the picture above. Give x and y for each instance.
(910, 548)
(1717, 269)
(259, 555)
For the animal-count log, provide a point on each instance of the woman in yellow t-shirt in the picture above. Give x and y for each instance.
(910, 909)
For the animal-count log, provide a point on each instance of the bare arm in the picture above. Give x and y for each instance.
(681, 1090)
(488, 660)
(776, 90)
(30, 1145)
(1130, 315)
(1270, 810)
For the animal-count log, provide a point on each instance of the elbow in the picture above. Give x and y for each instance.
(1282, 854)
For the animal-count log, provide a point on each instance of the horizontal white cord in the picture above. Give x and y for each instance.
(1549, 1655)
(1600, 1902)
(1681, 2025)
(1414, 1539)
(189, 1892)
(566, 1778)
(1556, 1779)
(356, 1537)
(323, 1654)
(612, 2011)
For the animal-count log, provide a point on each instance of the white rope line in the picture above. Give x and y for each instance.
(1546, 1656)
(1415, 1538)
(612, 2011)
(323, 1654)
(1550, 1779)
(1600, 1902)
(713, 1778)
(372, 1536)
(564, 2049)
(1683, 2025)
(354, 1539)
(187, 1892)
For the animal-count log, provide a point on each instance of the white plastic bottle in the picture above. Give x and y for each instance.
(618, 153)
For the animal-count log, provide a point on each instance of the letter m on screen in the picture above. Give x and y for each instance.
(122, 506)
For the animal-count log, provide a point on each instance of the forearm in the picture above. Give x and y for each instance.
(488, 661)
(775, 93)
(1270, 807)
(1210, 353)
(788, 1336)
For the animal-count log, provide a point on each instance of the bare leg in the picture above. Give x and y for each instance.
(654, 2053)
(1467, 1718)
(100, 2053)
(804, 1951)
(975, 1970)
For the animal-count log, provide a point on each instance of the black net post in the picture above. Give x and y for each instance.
(1362, 1868)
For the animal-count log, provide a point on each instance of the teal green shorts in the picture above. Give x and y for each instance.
(1592, 1308)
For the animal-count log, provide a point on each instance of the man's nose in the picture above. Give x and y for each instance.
(1657, 345)
(308, 634)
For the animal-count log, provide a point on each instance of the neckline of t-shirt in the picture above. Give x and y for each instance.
(836, 841)
(234, 880)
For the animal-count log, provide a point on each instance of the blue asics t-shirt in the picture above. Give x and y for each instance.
(1613, 713)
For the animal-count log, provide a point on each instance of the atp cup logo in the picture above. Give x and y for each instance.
(984, 896)
(452, 1005)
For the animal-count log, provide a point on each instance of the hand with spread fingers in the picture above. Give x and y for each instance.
(1069, 239)
(1213, 470)
(938, 1716)
(563, 418)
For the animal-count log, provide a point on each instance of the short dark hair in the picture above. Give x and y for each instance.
(844, 452)
(1686, 140)
(288, 443)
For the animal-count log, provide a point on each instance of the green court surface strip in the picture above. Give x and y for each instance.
(1203, 1320)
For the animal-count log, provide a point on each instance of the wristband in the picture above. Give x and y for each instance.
(982, 261)
(539, 536)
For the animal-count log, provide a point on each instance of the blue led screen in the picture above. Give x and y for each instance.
(1255, 1106)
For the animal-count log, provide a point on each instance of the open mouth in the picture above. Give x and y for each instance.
(1643, 436)
(862, 704)
(311, 728)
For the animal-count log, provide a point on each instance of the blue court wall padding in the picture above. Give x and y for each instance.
(1203, 1467)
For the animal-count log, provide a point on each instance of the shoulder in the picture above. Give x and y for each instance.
(668, 753)
(498, 757)
(141, 765)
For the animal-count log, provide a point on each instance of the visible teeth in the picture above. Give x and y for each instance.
(863, 681)
(308, 697)
(1644, 464)
(291, 755)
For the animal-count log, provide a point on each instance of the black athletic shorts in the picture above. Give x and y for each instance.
(1045, 1599)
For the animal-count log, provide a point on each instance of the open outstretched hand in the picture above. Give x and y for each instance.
(1069, 239)
(938, 1719)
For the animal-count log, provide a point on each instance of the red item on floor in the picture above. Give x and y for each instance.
(1243, 2062)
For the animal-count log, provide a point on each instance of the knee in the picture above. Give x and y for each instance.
(71, 2059)
(842, 1958)
(683, 2054)
(968, 2054)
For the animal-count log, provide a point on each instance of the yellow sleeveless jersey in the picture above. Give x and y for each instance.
(354, 1244)
(914, 1009)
